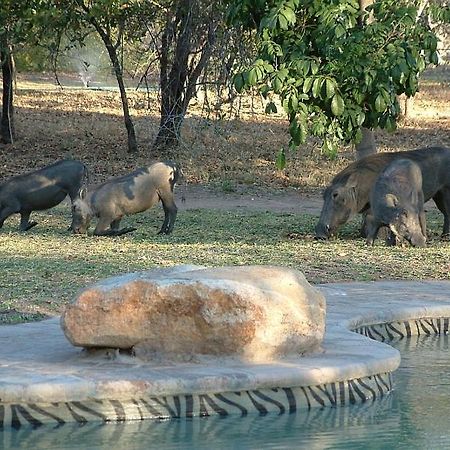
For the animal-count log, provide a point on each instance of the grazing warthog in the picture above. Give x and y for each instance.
(396, 201)
(41, 189)
(126, 195)
(348, 193)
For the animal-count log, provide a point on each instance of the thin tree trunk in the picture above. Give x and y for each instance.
(367, 145)
(118, 70)
(132, 144)
(7, 133)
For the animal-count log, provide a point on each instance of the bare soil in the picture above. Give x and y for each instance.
(289, 200)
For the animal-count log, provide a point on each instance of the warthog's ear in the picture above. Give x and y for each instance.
(391, 200)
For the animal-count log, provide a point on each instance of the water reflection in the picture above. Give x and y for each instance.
(415, 416)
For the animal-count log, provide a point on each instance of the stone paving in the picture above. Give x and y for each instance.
(44, 379)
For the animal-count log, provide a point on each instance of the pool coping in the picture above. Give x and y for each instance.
(45, 379)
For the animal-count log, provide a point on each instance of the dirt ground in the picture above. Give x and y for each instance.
(199, 196)
(290, 201)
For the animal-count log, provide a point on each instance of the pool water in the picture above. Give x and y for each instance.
(415, 416)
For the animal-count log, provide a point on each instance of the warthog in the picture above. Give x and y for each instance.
(41, 189)
(126, 195)
(348, 193)
(396, 201)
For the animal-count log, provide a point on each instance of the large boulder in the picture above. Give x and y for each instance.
(255, 313)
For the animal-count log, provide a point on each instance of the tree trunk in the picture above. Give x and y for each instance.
(118, 71)
(178, 82)
(7, 133)
(367, 145)
(132, 144)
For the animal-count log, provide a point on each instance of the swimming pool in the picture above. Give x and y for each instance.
(414, 416)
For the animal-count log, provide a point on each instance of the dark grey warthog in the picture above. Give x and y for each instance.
(396, 201)
(348, 193)
(130, 194)
(41, 189)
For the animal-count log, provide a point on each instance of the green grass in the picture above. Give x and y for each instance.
(42, 270)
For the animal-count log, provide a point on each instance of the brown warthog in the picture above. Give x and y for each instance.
(126, 195)
(42, 189)
(348, 193)
(396, 201)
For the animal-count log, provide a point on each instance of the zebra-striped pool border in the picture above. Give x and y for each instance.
(260, 401)
(389, 331)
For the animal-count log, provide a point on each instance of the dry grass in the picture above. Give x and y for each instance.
(85, 124)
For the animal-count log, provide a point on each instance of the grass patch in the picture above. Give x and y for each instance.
(44, 268)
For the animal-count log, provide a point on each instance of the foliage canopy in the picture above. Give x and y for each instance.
(333, 75)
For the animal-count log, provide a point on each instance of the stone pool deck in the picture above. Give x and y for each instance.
(43, 379)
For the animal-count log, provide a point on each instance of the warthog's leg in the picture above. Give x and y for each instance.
(115, 224)
(25, 223)
(371, 227)
(104, 228)
(422, 218)
(6, 212)
(170, 213)
(114, 233)
(442, 201)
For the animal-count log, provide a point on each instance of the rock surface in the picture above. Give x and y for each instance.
(255, 313)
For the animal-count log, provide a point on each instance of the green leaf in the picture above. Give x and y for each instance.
(434, 58)
(337, 105)
(307, 84)
(239, 82)
(294, 131)
(280, 161)
(330, 87)
(339, 31)
(390, 124)
(252, 77)
(361, 118)
(380, 104)
(359, 97)
(330, 148)
(289, 14)
(271, 108)
(293, 100)
(283, 22)
(316, 87)
(277, 85)
(304, 66)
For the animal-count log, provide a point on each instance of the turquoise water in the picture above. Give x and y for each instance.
(415, 416)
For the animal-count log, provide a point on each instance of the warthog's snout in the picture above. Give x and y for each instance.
(418, 240)
(78, 229)
(322, 231)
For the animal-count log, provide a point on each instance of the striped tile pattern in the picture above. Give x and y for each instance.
(386, 332)
(262, 401)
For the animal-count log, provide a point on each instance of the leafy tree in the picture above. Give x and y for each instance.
(182, 34)
(332, 75)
